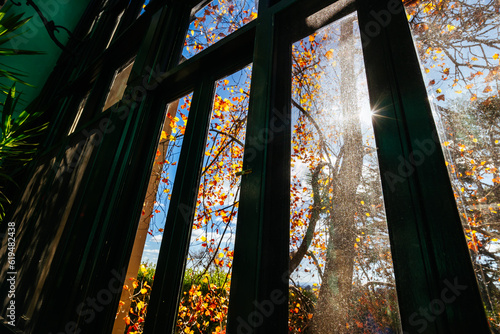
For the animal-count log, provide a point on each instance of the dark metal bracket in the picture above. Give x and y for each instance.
(50, 26)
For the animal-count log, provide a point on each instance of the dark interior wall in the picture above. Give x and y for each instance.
(58, 218)
(34, 36)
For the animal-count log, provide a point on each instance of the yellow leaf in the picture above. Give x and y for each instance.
(428, 7)
(311, 38)
(163, 135)
(221, 255)
(495, 56)
(363, 202)
(144, 291)
(329, 54)
(203, 238)
(367, 214)
(450, 27)
(143, 268)
(438, 90)
(446, 143)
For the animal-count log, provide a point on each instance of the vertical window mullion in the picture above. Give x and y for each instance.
(260, 267)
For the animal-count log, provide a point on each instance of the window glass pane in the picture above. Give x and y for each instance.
(143, 9)
(205, 291)
(135, 297)
(458, 44)
(342, 277)
(118, 86)
(215, 21)
(78, 115)
(117, 23)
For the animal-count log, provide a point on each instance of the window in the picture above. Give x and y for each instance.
(118, 85)
(342, 274)
(322, 184)
(331, 191)
(215, 21)
(81, 106)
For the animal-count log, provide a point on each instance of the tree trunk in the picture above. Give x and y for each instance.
(331, 311)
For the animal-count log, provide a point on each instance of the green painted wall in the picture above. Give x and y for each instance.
(34, 37)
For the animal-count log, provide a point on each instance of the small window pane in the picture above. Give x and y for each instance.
(78, 115)
(118, 86)
(143, 9)
(458, 43)
(215, 21)
(117, 23)
(342, 277)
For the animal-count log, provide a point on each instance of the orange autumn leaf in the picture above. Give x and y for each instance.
(329, 54)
